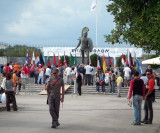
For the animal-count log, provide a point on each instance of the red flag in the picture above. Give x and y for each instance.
(48, 62)
(109, 60)
(123, 60)
(54, 60)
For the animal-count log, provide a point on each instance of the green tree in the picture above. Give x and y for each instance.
(93, 58)
(17, 51)
(136, 23)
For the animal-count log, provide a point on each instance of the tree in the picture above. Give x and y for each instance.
(17, 51)
(93, 58)
(136, 23)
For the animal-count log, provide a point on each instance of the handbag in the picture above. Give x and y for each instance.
(101, 83)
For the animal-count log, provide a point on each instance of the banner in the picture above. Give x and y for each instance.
(113, 52)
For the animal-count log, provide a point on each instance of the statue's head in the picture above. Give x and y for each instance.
(85, 31)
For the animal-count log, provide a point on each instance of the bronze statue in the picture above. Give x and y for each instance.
(86, 44)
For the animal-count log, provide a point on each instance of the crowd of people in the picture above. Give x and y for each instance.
(141, 87)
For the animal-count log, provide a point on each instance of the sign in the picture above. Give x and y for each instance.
(112, 52)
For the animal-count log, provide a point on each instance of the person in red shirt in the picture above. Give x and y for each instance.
(137, 91)
(7, 68)
(149, 98)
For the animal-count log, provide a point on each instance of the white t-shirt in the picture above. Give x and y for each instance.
(41, 72)
(88, 69)
(68, 71)
(48, 72)
(127, 71)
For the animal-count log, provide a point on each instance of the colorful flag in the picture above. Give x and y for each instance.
(54, 60)
(48, 61)
(123, 60)
(104, 63)
(28, 61)
(98, 63)
(109, 60)
(139, 66)
(42, 62)
(94, 4)
(33, 58)
(37, 59)
(59, 60)
(130, 60)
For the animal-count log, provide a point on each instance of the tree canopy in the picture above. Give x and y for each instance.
(137, 22)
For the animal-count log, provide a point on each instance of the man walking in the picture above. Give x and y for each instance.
(54, 87)
(149, 98)
(136, 89)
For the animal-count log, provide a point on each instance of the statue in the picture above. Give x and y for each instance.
(86, 44)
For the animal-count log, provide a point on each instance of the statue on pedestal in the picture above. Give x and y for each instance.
(86, 44)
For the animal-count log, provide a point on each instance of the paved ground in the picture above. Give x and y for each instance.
(80, 114)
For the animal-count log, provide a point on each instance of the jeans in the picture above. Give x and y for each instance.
(88, 79)
(137, 103)
(112, 88)
(148, 110)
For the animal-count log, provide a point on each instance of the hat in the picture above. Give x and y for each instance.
(40, 65)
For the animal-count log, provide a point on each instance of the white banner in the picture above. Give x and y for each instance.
(112, 52)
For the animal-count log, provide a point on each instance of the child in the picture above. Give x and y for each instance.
(119, 84)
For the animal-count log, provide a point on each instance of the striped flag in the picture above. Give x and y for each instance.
(123, 60)
(37, 59)
(33, 58)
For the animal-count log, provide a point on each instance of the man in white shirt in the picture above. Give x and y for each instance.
(47, 73)
(88, 73)
(68, 71)
(127, 72)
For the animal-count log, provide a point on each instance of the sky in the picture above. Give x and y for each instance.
(53, 22)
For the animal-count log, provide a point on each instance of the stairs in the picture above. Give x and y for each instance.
(92, 90)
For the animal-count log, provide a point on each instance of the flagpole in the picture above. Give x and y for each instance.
(96, 26)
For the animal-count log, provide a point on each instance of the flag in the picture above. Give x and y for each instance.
(48, 61)
(33, 58)
(37, 59)
(94, 4)
(130, 60)
(98, 63)
(54, 60)
(139, 66)
(109, 60)
(65, 62)
(104, 63)
(28, 61)
(59, 60)
(115, 62)
(41, 60)
(135, 63)
(123, 60)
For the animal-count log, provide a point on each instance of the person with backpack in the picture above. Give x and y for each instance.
(112, 82)
(137, 91)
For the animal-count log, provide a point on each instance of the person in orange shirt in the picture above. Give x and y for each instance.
(15, 80)
(16, 67)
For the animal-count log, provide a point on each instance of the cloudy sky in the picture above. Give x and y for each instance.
(52, 22)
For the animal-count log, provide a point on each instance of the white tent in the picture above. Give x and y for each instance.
(155, 61)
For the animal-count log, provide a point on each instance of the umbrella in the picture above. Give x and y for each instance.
(155, 61)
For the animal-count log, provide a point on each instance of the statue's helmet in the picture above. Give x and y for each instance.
(85, 30)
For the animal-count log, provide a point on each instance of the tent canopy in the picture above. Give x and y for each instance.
(155, 61)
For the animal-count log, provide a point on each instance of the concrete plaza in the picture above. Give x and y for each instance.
(80, 114)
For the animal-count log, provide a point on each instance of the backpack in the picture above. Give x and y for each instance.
(82, 70)
(113, 77)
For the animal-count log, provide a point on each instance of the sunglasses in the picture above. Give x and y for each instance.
(148, 74)
(54, 73)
